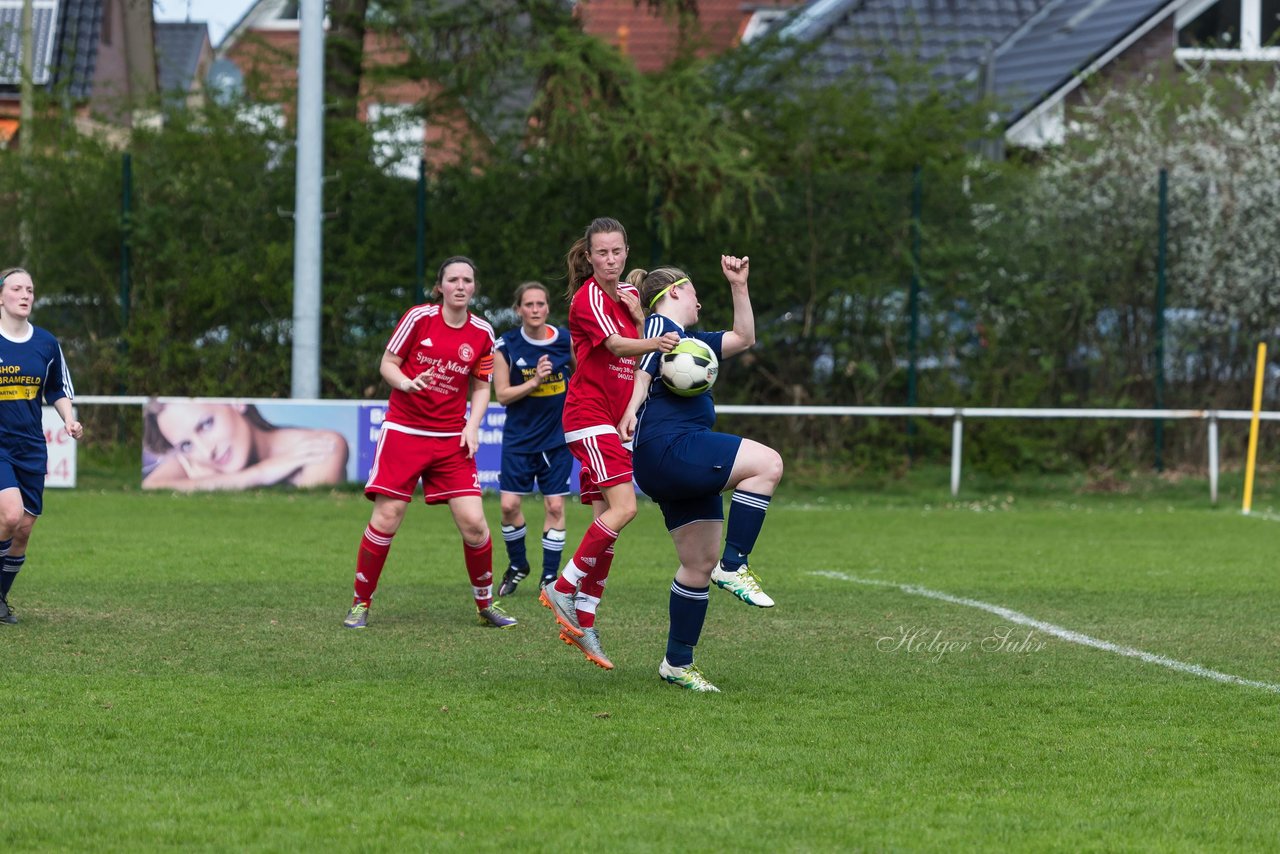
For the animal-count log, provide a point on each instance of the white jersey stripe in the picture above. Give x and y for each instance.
(407, 323)
(66, 375)
(603, 317)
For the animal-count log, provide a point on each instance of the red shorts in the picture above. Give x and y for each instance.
(440, 461)
(604, 463)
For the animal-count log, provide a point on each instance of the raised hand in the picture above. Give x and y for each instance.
(736, 269)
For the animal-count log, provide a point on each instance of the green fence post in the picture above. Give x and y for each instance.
(420, 251)
(913, 345)
(1161, 263)
(126, 228)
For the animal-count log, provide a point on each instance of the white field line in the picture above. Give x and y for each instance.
(1060, 632)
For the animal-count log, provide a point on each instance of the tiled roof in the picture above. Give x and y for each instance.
(178, 48)
(77, 46)
(1062, 41)
(1037, 45)
(953, 35)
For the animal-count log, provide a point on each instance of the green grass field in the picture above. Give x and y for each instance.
(179, 679)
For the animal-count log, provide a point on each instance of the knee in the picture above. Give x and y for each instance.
(22, 534)
(11, 522)
(510, 508)
(475, 533)
(387, 517)
(772, 467)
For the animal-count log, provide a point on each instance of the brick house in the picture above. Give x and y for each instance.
(652, 40)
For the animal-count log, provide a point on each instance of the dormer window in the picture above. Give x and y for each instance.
(1229, 30)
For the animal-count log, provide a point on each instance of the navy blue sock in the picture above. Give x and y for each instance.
(9, 573)
(746, 517)
(688, 612)
(514, 538)
(552, 551)
(4, 546)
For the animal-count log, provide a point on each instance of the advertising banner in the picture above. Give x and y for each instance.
(198, 444)
(62, 450)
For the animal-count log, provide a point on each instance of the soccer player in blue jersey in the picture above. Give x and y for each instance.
(531, 369)
(683, 465)
(31, 369)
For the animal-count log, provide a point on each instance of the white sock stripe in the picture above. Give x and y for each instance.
(556, 534)
(549, 545)
(684, 592)
(513, 534)
(602, 526)
(751, 501)
(586, 603)
(1060, 632)
(376, 538)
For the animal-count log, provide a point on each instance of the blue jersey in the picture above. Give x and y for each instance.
(32, 372)
(664, 415)
(533, 422)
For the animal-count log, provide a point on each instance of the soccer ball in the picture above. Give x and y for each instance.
(690, 368)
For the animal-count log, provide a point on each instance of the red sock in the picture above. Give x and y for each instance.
(369, 562)
(595, 542)
(479, 561)
(592, 589)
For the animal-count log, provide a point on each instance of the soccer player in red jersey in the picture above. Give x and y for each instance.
(439, 358)
(604, 321)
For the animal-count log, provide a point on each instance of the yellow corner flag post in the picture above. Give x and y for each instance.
(1253, 429)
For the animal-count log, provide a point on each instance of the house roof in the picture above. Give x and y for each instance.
(178, 47)
(65, 52)
(1060, 42)
(954, 36)
(1036, 47)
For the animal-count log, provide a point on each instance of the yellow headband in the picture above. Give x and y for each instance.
(662, 293)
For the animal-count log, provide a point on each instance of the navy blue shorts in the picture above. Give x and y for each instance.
(686, 476)
(547, 472)
(28, 483)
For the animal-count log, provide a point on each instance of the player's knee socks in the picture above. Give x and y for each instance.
(552, 551)
(514, 538)
(9, 572)
(688, 609)
(374, 546)
(479, 560)
(5, 545)
(592, 589)
(746, 517)
(597, 539)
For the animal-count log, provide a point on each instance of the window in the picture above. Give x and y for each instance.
(399, 135)
(760, 22)
(1229, 29)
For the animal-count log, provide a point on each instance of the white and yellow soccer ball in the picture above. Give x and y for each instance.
(690, 369)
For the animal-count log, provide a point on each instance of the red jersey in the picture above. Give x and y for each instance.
(425, 341)
(601, 384)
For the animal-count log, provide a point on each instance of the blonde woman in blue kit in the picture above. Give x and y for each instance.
(32, 372)
(684, 465)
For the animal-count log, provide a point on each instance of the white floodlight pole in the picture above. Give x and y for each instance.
(308, 201)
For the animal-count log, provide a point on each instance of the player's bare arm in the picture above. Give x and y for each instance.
(743, 335)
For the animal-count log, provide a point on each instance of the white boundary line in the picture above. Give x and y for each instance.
(1060, 632)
